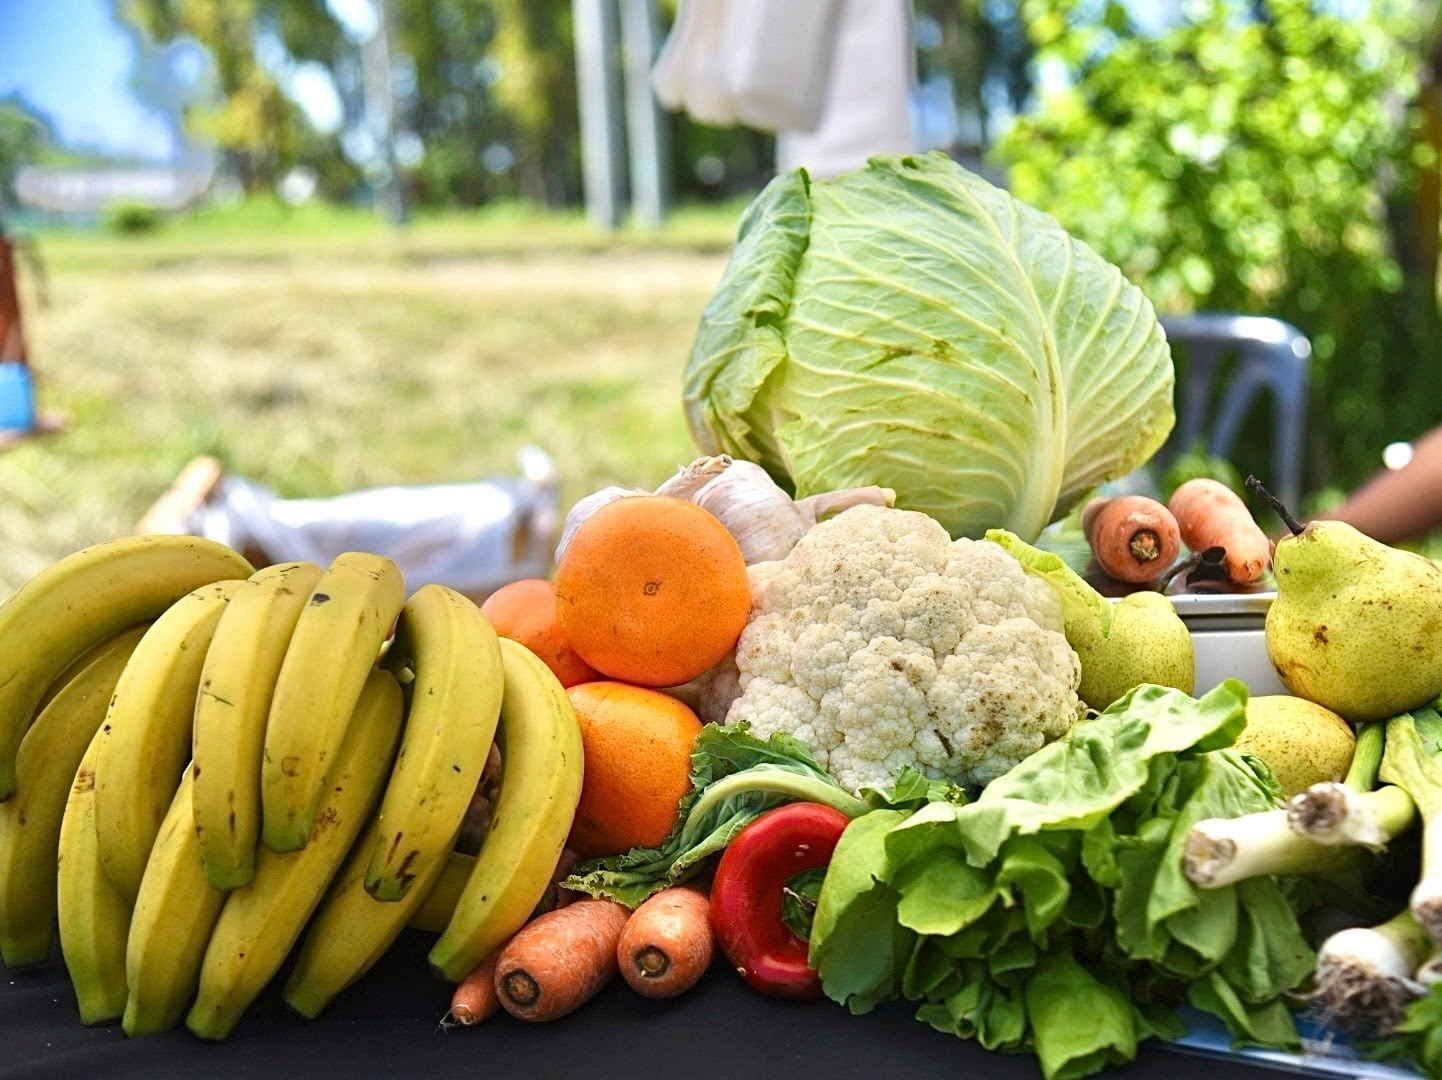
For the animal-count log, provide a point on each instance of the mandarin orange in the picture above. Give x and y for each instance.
(637, 745)
(525, 612)
(652, 590)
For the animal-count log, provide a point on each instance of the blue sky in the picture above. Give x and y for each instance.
(71, 61)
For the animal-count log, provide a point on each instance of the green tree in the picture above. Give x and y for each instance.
(257, 128)
(1246, 159)
(450, 108)
(23, 139)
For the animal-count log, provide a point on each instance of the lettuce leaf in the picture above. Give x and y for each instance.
(1062, 883)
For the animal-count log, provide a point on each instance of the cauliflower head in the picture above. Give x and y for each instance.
(879, 641)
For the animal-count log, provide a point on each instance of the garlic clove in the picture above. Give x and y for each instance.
(763, 518)
(687, 480)
(584, 507)
(829, 503)
(757, 511)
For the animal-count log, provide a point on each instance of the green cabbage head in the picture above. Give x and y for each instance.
(911, 325)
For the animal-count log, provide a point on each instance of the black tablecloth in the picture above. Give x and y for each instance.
(388, 1025)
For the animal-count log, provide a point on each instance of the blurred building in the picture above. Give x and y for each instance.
(69, 192)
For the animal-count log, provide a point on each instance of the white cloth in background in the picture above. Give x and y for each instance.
(868, 96)
(833, 78)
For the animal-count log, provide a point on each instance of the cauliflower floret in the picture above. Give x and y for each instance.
(880, 642)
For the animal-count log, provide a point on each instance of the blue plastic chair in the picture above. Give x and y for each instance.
(1270, 355)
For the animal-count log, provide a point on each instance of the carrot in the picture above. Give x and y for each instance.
(668, 942)
(474, 998)
(560, 960)
(1133, 537)
(1210, 514)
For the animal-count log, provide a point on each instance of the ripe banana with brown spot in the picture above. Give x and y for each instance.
(30, 821)
(82, 599)
(236, 687)
(145, 737)
(175, 911)
(541, 772)
(94, 918)
(453, 703)
(261, 921)
(335, 644)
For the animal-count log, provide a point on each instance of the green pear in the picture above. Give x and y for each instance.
(1138, 639)
(1303, 743)
(1356, 625)
(1148, 643)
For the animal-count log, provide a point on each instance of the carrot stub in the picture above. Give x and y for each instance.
(667, 943)
(1134, 538)
(1210, 514)
(474, 997)
(560, 960)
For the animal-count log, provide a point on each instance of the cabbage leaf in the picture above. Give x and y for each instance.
(912, 326)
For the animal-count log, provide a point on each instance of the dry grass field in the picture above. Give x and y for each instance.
(318, 359)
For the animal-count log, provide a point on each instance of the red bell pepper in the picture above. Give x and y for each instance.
(747, 896)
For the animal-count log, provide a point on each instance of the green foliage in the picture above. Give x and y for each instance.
(1198, 463)
(1246, 159)
(22, 140)
(129, 218)
(259, 130)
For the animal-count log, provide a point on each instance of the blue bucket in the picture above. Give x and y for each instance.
(17, 398)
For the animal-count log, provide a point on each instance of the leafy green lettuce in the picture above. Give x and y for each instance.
(736, 777)
(912, 326)
(1062, 884)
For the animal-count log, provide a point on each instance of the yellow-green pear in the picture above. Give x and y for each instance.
(1302, 742)
(1138, 639)
(1356, 625)
(1147, 643)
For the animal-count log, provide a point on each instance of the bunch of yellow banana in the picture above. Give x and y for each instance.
(198, 759)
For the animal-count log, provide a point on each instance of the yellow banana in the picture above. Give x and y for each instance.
(541, 771)
(174, 914)
(261, 921)
(453, 704)
(352, 930)
(94, 918)
(145, 738)
(82, 599)
(236, 685)
(45, 769)
(336, 642)
(435, 911)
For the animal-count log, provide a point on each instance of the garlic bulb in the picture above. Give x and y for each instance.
(686, 482)
(765, 521)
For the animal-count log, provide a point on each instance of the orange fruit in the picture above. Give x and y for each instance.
(637, 747)
(525, 612)
(652, 590)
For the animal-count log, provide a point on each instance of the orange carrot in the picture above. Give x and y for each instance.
(560, 960)
(1133, 537)
(668, 942)
(1210, 514)
(474, 998)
